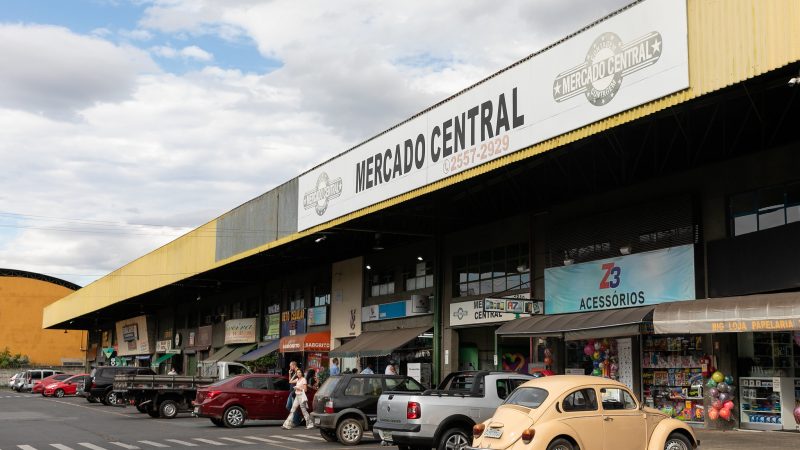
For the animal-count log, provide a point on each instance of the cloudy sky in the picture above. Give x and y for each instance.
(126, 123)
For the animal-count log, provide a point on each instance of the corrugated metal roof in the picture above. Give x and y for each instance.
(729, 41)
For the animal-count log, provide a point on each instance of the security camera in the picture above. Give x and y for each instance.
(794, 81)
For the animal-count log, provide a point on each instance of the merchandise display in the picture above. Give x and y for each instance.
(671, 376)
(760, 403)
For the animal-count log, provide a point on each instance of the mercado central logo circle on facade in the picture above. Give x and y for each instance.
(600, 76)
(325, 190)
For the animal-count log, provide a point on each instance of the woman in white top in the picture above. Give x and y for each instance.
(300, 401)
(390, 369)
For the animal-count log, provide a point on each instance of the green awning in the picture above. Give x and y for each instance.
(161, 359)
(237, 352)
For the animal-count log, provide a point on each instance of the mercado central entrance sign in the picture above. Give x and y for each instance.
(623, 61)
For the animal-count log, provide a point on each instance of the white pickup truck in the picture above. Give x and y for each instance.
(442, 418)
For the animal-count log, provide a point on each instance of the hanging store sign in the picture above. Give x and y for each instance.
(471, 313)
(163, 346)
(317, 315)
(293, 322)
(240, 331)
(623, 61)
(273, 327)
(132, 337)
(514, 304)
(418, 306)
(627, 281)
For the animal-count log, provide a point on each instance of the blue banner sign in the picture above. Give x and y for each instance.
(634, 280)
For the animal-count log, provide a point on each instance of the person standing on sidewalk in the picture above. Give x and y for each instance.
(300, 402)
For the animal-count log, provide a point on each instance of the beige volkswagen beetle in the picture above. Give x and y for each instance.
(578, 412)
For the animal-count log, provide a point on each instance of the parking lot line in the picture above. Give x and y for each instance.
(238, 441)
(91, 446)
(154, 444)
(124, 445)
(289, 438)
(268, 441)
(26, 447)
(310, 437)
(208, 441)
(178, 441)
(61, 446)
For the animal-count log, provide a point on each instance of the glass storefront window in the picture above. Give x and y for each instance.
(764, 209)
(491, 271)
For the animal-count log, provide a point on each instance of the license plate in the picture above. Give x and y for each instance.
(317, 420)
(493, 433)
(197, 410)
(386, 436)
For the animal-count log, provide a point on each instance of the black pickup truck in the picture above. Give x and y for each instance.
(347, 405)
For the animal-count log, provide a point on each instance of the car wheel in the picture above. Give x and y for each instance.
(59, 393)
(677, 441)
(328, 435)
(561, 444)
(91, 399)
(168, 409)
(109, 398)
(217, 422)
(454, 439)
(141, 408)
(350, 431)
(233, 417)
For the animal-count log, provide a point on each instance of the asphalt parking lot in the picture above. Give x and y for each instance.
(33, 422)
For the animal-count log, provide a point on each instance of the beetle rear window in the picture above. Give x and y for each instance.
(529, 397)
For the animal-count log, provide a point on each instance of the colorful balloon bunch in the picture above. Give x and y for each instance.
(604, 364)
(721, 396)
(548, 357)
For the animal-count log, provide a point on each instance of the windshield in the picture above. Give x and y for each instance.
(328, 387)
(529, 397)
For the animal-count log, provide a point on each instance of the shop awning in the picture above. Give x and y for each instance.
(264, 350)
(161, 359)
(224, 351)
(584, 325)
(763, 312)
(378, 343)
(309, 342)
(237, 352)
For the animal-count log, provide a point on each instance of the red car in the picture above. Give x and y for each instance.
(69, 386)
(228, 403)
(38, 387)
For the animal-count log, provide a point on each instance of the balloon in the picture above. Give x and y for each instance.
(718, 377)
(588, 350)
(548, 352)
(728, 405)
(797, 414)
(711, 383)
(725, 413)
(548, 361)
(596, 355)
(714, 393)
(597, 372)
(716, 404)
(724, 397)
(713, 414)
(596, 363)
(728, 379)
(722, 387)
(597, 346)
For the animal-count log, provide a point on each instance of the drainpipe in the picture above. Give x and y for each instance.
(438, 289)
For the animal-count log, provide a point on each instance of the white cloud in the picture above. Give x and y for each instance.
(190, 52)
(136, 35)
(51, 71)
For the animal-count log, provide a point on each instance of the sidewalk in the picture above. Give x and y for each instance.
(747, 440)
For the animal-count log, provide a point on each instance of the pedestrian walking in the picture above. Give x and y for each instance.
(300, 402)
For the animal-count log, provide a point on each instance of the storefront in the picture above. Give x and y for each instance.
(134, 343)
(198, 343)
(763, 383)
(310, 350)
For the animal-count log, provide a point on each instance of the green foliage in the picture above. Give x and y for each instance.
(267, 363)
(9, 361)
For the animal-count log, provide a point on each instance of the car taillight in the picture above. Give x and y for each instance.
(329, 407)
(527, 435)
(477, 429)
(413, 411)
(211, 394)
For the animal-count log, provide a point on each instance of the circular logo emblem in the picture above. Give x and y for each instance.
(604, 79)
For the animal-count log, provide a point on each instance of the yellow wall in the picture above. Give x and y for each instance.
(21, 303)
(729, 41)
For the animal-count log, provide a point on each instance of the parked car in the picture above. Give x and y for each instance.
(101, 386)
(18, 382)
(347, 405)
(69, 386)
(38, 387)
(13, 379)
(443, 418)
(32, 376)
(232, 401)
(569, 412)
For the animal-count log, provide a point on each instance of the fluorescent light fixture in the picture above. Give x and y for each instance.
(320, 239)
(369, 267)
(569, 262)
(420, 258)
(522, 268)
(625, 250)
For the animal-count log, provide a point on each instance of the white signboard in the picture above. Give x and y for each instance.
(471, 313)
(625, 61)
(414, 371)
(240, 331)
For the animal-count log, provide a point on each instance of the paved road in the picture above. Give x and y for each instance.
(33, 422)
